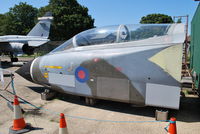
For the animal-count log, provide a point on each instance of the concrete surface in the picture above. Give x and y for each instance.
(46, 122)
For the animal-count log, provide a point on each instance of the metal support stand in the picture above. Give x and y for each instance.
(90, 101)
(47, 94)
(161, 115)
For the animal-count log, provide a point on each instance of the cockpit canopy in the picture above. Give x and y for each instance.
(117, 34)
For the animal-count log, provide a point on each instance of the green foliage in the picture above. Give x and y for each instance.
(179, 20)
(2, 24)
(20, 19)
(70, 18)
(156, 19)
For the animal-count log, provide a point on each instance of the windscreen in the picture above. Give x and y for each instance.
(104, 35)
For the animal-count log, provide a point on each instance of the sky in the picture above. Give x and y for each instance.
(112, 12)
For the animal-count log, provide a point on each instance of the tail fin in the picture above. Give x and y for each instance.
(42, 28)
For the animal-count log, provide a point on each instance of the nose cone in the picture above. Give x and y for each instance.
(24, 71)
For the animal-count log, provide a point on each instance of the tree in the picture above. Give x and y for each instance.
(70, 18)
(156, 18)
(179, 20)
(2, 24)
(20, 19)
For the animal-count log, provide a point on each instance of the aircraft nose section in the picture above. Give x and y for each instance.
(24, 71)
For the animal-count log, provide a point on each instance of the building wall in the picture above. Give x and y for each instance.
(195, 46)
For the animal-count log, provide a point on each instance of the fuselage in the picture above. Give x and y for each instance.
(138, 72)
(21, 38)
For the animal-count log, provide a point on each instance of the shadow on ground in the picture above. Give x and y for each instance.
(37, 89)
(189, 108)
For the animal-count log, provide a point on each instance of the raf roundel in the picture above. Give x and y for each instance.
(82, 74)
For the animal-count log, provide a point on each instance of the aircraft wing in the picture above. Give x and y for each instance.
(36, 43)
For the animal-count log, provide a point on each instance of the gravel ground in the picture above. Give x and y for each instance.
(46, 122)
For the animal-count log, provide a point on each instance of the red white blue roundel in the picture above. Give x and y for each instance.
(82, 74)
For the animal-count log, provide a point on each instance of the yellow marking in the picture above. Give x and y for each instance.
(46, 75)
(170, 60)
(54, 67)
(58, 67)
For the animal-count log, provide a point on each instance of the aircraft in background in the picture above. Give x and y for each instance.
(136, 64)
(17, 44)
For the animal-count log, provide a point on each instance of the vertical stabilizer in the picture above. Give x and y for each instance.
(42, 28)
